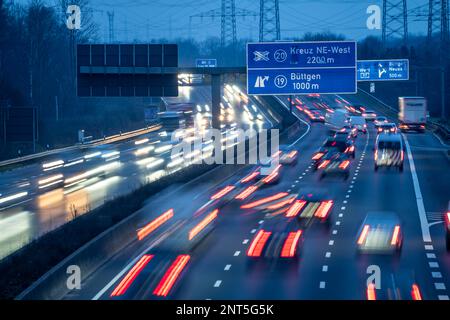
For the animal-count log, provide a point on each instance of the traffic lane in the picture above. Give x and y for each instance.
(224, 273)
(432, 168)
(428, 147)
(184, 199)
(385, 190)
(432, 165)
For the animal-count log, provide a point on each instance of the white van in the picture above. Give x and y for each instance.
(389, 151)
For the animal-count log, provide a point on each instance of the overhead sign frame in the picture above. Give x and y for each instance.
(207, 65)
(323, 70)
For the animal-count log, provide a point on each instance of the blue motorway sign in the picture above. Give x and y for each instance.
(301, 67)
(206, 63)
(383, 70)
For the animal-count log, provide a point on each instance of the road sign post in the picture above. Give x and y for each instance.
(285, 68)
(383, 70)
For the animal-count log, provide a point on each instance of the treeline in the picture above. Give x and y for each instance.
(37, 68)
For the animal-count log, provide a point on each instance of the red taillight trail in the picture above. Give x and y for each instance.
(152, 226)
(324, 209)
(247, 192)
(395, 236)
(280, 204)
(371, 294)
(415, 292)
(344, 164)
(199, 227)
(131, 275)
(290, 245)
(250, 177)
(171, 275)
(222, 192)
(258, 243)
(324, 164)
(295, 208)
(363, 235)
(317, 156)
(264, 200)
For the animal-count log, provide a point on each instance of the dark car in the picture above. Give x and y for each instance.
(337, 164)
(331, 147)
(277, 238)
(311, 204)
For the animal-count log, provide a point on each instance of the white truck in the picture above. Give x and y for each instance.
(413, 113)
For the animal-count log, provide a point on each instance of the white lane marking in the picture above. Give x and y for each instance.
(245, 241)
(431, 256)
(338, 223)
(292, 186)
(340, 215)
(439, 286)
(433, 264)
(342, 208)
(331, 242)
(237, 253)
(289, 190)
(325, 268)
(429, 247)
(334, 232)
(305, 122)
(436, 275)
(261, 221)
(347, 196)
(322, 285)
(217, 284)
(227, 267)
(253, 231)
(443, 297)
(420, 206)
(127, 267)
(328, 254)
(344, 202)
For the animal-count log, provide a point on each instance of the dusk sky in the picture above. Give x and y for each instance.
(143, 20)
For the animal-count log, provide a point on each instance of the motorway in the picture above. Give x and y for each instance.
(164, 265)
(37, 198)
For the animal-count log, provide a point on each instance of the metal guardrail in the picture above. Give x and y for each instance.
(441, 130)
(92, 143)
